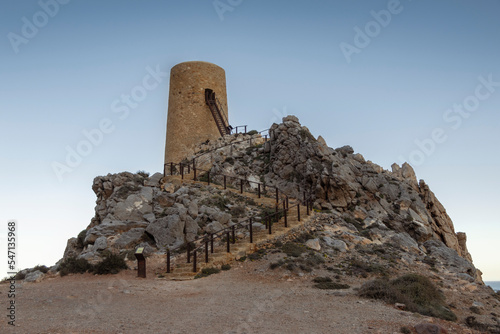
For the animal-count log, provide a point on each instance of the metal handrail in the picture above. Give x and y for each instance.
(247, 223)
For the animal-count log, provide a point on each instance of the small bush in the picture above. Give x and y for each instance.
(252, 132)
(20, 276)
(111, 264)
(142, 173)
(237, 211)
(43, 269)
(207, 272)
(475, 309)
(225, 267)
(405, 330)
(331, 286)
(275, 265)
(73, 265)
(257, 255)
(417, 292)
(360, 268)
(321, 279)
(293, 249)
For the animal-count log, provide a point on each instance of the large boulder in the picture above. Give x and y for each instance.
(35, 276)
(167, 231)
(130, 238)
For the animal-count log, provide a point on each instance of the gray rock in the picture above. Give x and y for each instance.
(150, 217)
(167, 231)
(100, 243)
(449, 258)
(336, 244)
(34, 277)
(165, 200)
(191, 229)
(258, 226)
(130, 238)
(135, 206)
(465, 277)
(313, 244)
(193, 209)
(427, 328)
(72, 248)
(214, 227)
(169, 187)
(405, 242)
(154, 180)
(110, 228)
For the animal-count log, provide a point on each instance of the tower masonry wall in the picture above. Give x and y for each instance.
(189, 120)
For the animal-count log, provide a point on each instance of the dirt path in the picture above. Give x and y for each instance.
(245, 299)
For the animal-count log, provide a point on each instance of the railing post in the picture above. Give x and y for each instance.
(171, 168)
(245, 129)
(241, 186)
(277, 195)
(265, 138)
(233, 234)
(307, 207)
(258, 190)
(298, 211)
(194, 171)
(227, 243)
(182, 170)
(284, 212)
(164, 170)
(269, 225)
(188, 253)
(224, 182)
(194, 261)
(251, 231)
(168, 261)
(211, 242)
(304, 197)
(189, 168)
(287, 204)
(206, 251)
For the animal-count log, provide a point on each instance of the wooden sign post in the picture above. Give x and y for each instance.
(141, 262)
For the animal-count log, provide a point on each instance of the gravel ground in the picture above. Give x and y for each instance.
(245, 299)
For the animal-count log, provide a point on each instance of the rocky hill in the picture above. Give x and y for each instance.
(369, 222)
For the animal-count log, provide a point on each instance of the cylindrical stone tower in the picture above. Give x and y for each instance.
(189, 120)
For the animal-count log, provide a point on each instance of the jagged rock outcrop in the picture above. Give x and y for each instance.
(366, 203)
(341, 180)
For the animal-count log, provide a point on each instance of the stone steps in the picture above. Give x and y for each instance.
(181, 270)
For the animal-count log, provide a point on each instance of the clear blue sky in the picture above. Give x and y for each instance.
(377, 75)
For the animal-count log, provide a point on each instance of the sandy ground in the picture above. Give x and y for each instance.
(245, 299)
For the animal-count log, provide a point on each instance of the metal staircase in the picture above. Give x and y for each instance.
(217, 112)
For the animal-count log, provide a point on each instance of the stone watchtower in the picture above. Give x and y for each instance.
(197, 108)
